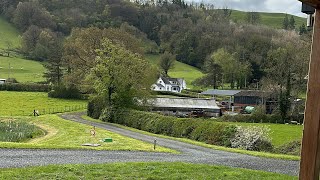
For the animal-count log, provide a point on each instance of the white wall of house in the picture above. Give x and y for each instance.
(174, 86)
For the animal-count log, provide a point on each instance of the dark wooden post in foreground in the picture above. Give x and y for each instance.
(310, 152)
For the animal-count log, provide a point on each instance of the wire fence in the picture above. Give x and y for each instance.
(44, 111)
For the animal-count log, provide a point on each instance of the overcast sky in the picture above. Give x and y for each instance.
(282, 6)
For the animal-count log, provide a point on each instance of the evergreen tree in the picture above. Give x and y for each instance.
(292, 23)
(54, 65)
(285, 23)
(253, 17)
(302, 29)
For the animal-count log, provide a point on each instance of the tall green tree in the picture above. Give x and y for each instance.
(229, 65)
(167, 62)
(31, 13)
(213, 75)
(123, 78)
(54, 65)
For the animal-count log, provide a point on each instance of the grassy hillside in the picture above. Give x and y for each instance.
(21, 69)
(269, 19)
(180, 70)
(8, 33)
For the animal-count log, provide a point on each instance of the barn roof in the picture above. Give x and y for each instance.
(187, 103)
(220, 92)
(253, 94)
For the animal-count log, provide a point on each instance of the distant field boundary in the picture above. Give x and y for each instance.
(45, 111)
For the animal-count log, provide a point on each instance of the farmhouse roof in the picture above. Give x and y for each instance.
(220, 92)
(159, 85)
(187, 103)
(165, 80)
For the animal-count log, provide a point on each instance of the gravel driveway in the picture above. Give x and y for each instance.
(189, 153)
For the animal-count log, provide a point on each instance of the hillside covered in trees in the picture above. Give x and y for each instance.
(65, 35)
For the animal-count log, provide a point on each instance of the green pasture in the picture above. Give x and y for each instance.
(64, 134)
(23, 103)
(139, 170)
(180, 70)
(21, 69)
(8, 33)
(269, 19)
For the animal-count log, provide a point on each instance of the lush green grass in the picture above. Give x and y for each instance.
(21, 69)
(23, 103)
(138, 171)
(64, 134)
(269, 19)
(253, 153)
(180, 70)
(8, 33)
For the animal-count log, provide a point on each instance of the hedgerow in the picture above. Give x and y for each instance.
(201, 130)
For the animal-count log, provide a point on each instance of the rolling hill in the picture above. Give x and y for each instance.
(21, 69)
(180, 70)
(8, 33)
(269, 19)
(31, 71)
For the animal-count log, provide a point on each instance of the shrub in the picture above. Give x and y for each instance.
(203, 130)
(292, 148)
(31, 87)
(95, 106)
(252, 138)
(64, 92)
(257, 118)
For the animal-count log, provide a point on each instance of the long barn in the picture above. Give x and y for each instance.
(186, 106)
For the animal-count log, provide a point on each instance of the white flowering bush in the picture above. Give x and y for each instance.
(252, 138)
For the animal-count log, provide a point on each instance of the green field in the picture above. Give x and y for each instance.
(64, 134)
(150, 171)
(8, 33)
(180, 70)
(269, 19)
(21, 69)
(23, 103)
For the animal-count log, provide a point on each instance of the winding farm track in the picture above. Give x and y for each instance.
(189, 153)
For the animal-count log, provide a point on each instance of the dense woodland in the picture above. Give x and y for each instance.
(66, 35)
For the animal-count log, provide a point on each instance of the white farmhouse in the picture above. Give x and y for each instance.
(169, 84)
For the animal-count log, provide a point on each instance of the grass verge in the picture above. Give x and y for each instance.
(63, 134)
(138, 170)
(253, 153)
